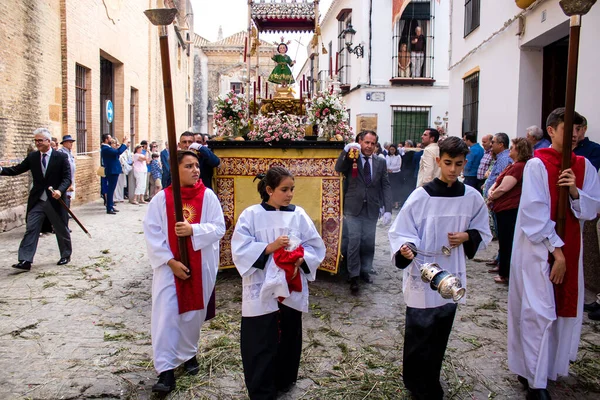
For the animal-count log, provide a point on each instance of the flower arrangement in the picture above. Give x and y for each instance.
(275, 127)
(326, 110)
(342, 131)
(230, 114)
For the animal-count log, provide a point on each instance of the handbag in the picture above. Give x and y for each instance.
(100, 171)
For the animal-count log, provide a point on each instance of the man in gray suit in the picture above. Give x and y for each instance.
(366, 188)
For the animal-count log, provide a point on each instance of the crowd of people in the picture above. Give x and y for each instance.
(455, 194)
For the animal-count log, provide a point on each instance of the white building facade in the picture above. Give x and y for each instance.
(508, 66)
(399, 104)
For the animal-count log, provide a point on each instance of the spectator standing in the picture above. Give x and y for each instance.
(486, 160)
(473, 160)
(428, 167)
(119, 195)
(139, 170)
(500, 144)
(112, 169)
(67, 148)
(394, 167)
(156, 172)
(166, 167)
(535, 136)
(504, 197)
(583, 146)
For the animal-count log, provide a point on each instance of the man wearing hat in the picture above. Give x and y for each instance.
(67, 146)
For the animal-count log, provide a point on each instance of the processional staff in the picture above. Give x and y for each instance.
(163, 17)
(575, 9)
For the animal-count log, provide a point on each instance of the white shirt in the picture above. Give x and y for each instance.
(44, 195)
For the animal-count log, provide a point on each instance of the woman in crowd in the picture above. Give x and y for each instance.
(120, 188)
(140, 169)
(394, 164)
(503, 199)
(409, 179)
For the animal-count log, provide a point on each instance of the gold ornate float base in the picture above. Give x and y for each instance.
(288, 106)
(318, 191)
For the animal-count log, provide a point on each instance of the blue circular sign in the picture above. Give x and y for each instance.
(110, 112)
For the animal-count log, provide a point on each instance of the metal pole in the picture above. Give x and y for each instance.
(569, 114)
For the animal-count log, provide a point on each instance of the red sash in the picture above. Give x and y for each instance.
(286, 260)
(565, 294)
(189, 291)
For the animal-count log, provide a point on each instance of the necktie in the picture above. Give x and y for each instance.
(44, 159)
(367, 171)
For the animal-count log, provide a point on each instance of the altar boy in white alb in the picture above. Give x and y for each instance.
(444, 212)
(545, 296)
(271, 332)
(181, 293)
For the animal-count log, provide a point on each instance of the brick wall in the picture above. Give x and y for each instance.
(43, 43)
(29, 94)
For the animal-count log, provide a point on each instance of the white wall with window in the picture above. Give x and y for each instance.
(519, 67)
(377, 71)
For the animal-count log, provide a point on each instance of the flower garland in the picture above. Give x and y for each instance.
(230, 114)
(343, 132)
(276, 127)
(326, 110)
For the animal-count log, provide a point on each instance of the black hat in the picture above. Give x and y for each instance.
(67, 138)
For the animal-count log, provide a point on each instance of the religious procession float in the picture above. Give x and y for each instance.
(256, 131)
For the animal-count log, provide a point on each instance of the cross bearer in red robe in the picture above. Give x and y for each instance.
(181, 293)
(545, 298)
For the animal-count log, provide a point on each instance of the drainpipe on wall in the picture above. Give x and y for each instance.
(450, 35)
(370, 36)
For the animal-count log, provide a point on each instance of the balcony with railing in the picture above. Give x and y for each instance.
(412, 45)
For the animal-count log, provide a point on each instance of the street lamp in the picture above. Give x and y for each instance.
(574, 9)
(359, 50)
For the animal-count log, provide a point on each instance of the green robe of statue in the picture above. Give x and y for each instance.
(282, 74)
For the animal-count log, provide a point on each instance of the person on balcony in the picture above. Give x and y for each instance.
(403, 62)
(417, 52)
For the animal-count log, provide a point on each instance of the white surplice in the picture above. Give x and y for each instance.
(175, 336)
(256, 227)
(425, 221)
(540, 344)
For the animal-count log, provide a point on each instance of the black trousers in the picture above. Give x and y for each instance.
(35, 218)
(271, 346)
(425, 339)
(505, 221)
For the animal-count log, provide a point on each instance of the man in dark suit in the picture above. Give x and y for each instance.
(362, 202)
(112, 169)
(208, 160)
(48, 168)
(166, 168)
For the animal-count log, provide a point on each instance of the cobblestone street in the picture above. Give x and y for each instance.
(83, 330)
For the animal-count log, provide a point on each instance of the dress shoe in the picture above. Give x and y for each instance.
(63, 261)
(354, 285)
(111, 212)
(191, 366)
(538, 394)
(523, 381)
(591, 307)
(166, 382)
(594, 315)
(115, 210)
(365, 277)
(23, 265)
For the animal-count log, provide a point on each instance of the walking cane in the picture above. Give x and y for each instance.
(162, 17)
(62, 203)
